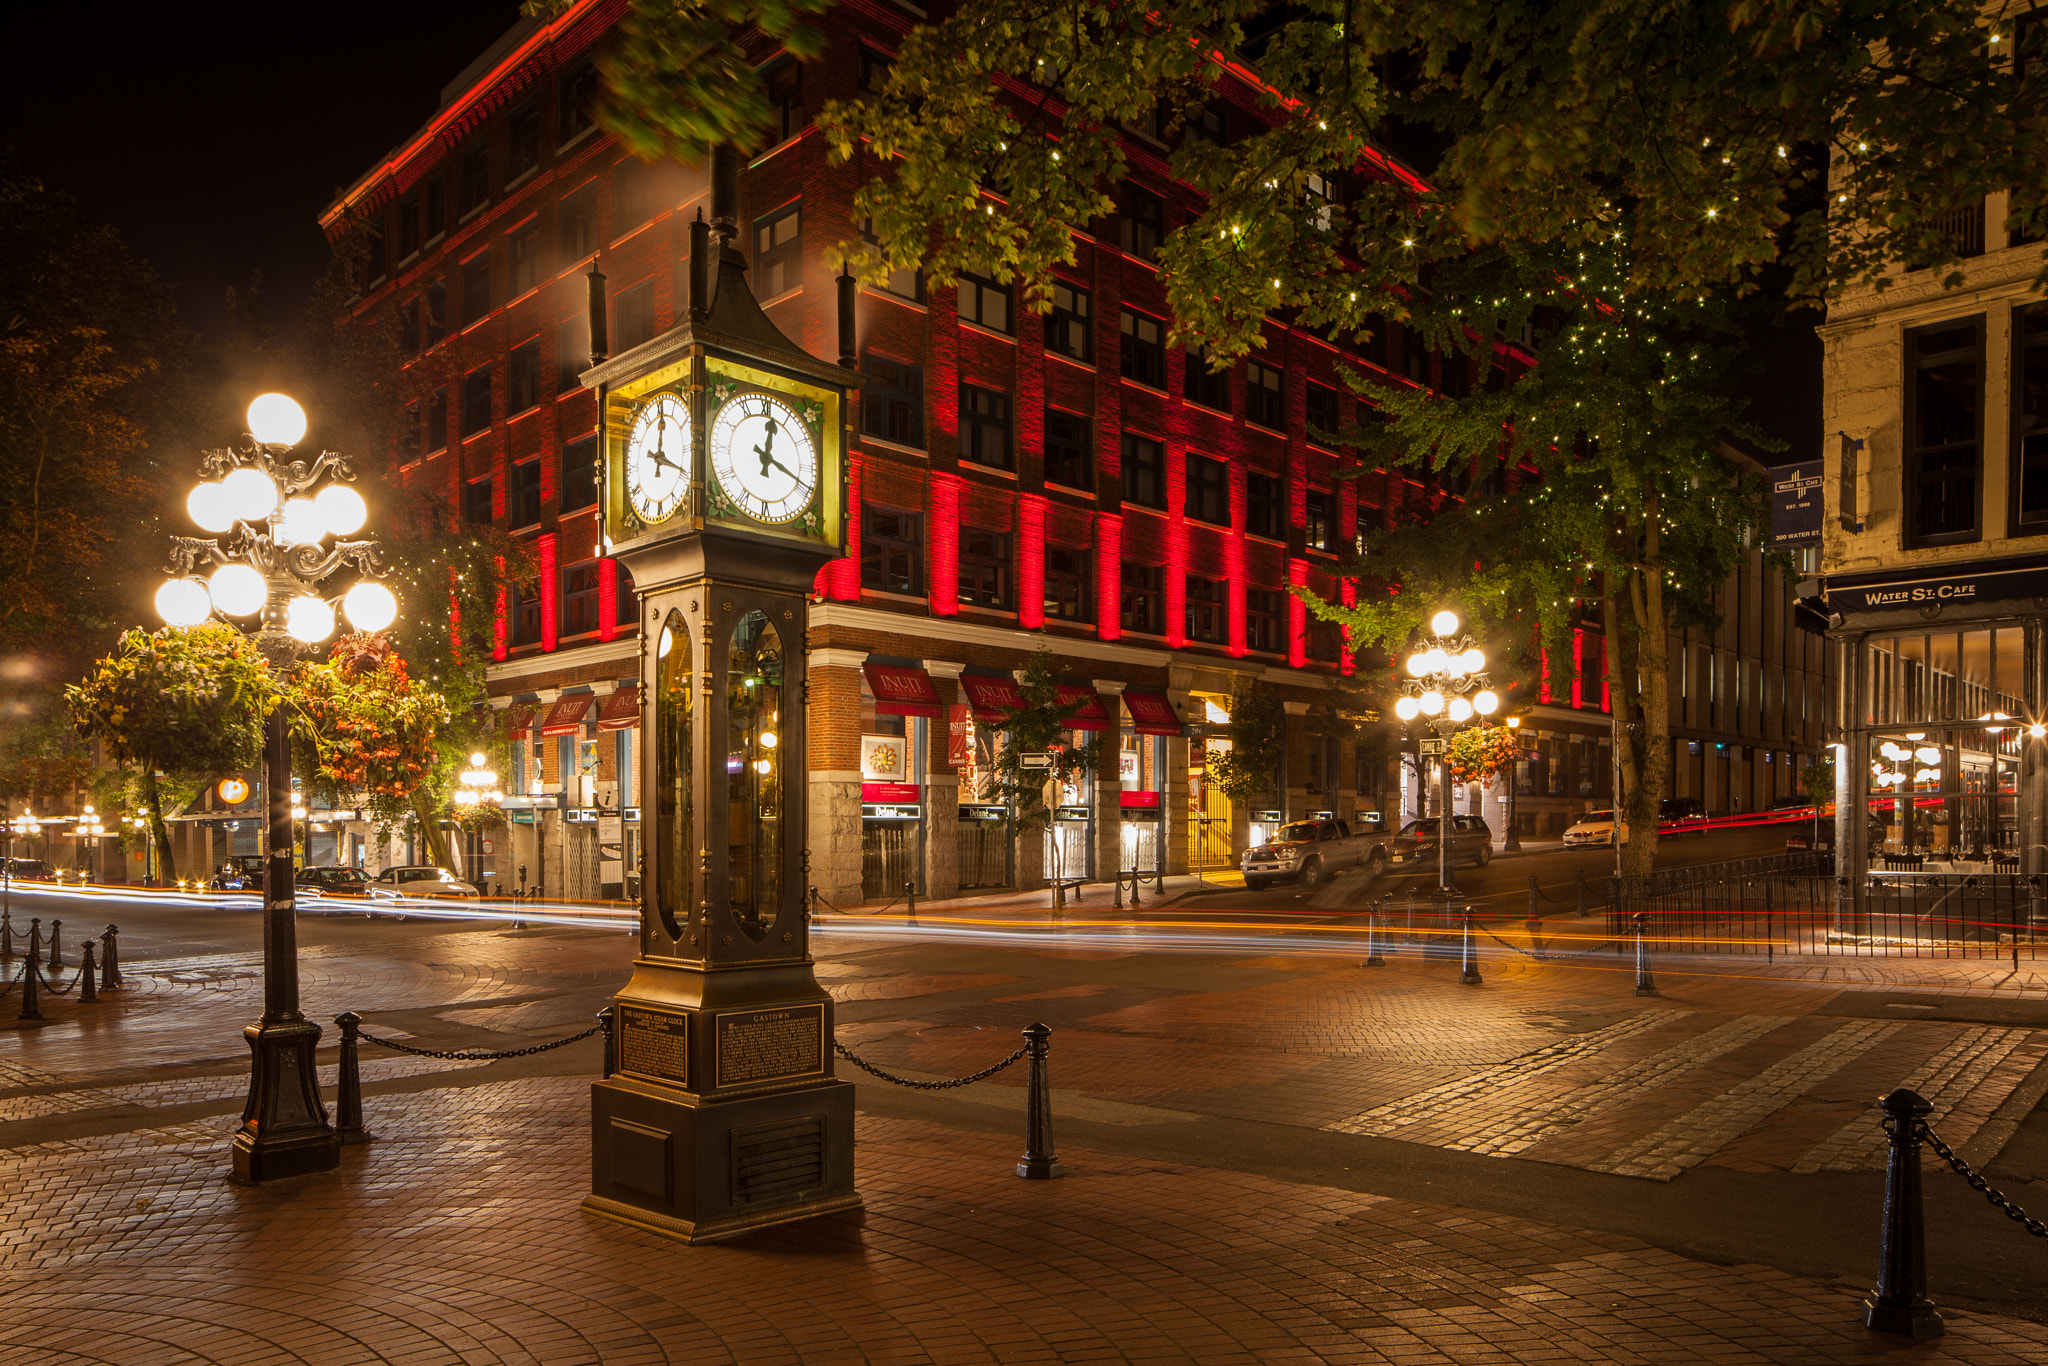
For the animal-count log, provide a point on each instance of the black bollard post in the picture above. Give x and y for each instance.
(56, 928)
(1118, 904)
(1039, 1162)
(348, 1091)
(1373, 959)
(110, 968)
(1470, 976)
(31, 979)
(910, 897)
(6, 938)
(1770, 946)
(35, 940)
(611, 1040)
(1645, 984)
(1899, 1303)
(88, 976)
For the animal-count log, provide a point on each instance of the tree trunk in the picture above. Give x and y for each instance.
(1635, 834)
(159, 832)
(1652, 673)
(430, 829)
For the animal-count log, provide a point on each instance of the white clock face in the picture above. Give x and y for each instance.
(764, 457)
(658, 458)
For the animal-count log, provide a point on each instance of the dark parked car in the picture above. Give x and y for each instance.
(335, 880)
(1471, 842)
(29, 870)
(241, 873)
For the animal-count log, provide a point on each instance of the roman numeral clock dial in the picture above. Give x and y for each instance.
(764, 457)
(658, 458)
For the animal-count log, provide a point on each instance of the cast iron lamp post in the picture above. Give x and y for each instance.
(1447, 684)
(1511, 843)
(274, 519)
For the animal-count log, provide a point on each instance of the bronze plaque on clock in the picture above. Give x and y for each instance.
(654, 1043)
(770, 1045)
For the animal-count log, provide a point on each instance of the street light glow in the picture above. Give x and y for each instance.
(370, 606)
(238, 590)
(1487, 703)
(183, 602)
(1443, 623)
(1461, 710)
(1432, 703)
(250, 494)
(1406, 708)
(342, 509)
(300, 523)
(308, 619)
(277, 420)
(210, 507)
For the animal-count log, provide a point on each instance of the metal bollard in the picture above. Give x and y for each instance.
(110, 968)
(88, 976)
(1899, 1303)
(1372, 940)
(1646, 985)
(611, 1040)
(56, 929)
(31, 979)
(910, 897)
(1770, 945)
(1118, 904)
(6, 938)
(1039, 1162)
(1470, 976)
(35, 940)
(348, 1092)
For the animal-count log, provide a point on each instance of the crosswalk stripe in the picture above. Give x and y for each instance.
(1944, 1079)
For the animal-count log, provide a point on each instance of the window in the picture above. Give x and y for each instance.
(373, 255)
(523, 378)
(1143, 605)
(892, 400)
(1144, 466)
(1264, 400)
(874, 70)
(778, 252)
(1325, 414)
(784, 81)
(1266, 506)
(476, 401)
(408, 226)
(579, 91)
(1068, 583)
(525, 260)
(523, 141)
(526, 614)
(579, 226)
(1068, 328)
(633, 311)
(1414, 354)
(984, 567)
(1204, 386)
(476, 500)
(572, 353)
(476, 287)
(1944, 398)
(409, 327)
(1320, 195)
(891, 550)
(985, 427)
(579, 598)
(435, 197)
(437, 420)
(579, 473)
(1141, 222)
(1144, 349)
(1208, 490)
(437, 311)
(2030, 418)
(1265, 612)
(904, 282)
(1068, 450)
(1322, 520)
(526, 493)
(476, 177)
(1208, 618)
(1211, 124)
(632, 195)
(984, 302)
(409, 435)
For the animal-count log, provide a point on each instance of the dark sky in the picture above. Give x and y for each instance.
(212, 135)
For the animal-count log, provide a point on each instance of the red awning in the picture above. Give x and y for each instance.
(566, 716)
(992, 697)
(903, 690)
(1151, 713)
(518, 721)
(1093, 715)
(621, 710)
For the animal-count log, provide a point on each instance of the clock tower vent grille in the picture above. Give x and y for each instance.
(778, 1161)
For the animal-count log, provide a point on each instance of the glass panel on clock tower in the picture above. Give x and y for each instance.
(753, 769)
(672, 777)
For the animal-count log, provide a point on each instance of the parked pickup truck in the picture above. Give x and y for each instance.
(1313, 852)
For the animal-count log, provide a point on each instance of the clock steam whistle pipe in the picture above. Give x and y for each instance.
(725, 192)
(600, 331)
(849, 343)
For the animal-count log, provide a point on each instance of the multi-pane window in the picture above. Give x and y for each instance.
(579, 474)
(437, 310)
(984, 567)
(526, 493)
(1265, 399)
(408, 226)
(476, 287)
(409, 327)
(522, 383)
(476, 177)
(572, 353)
(525, 259)
(579, 598)
(372, 268)
(1265, 613)
(874, 70)
(779, 252)
(579, 225)
(633, 315)
(904, 282)
(1143, 599)
(434, 198)
(1069, 584)
(1266, 506)
(1325, 414)
(891, 549)
(1144, 471)
(1208, 490)
(1141, 221)
(1200, 384)
(476, 500)
(1069, 451)
(526, 614)
(476, 400)
(579, 91)
(984, 302)
(1320, 195)
(1944, 403)
(437, 420)
(2030, 418)
(1069, 328)
(985, 427)
(1144, 349)
(892, 400)
(785, 83)
(1321, 533)
(409, 435)
(1211, 124)
(1207, 610)
(522, 151)
(632, 195)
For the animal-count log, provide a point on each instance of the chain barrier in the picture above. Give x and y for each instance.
(1600, 947)
(1981, 1186)
(476, 1055)
(983, 1075)
(78, 977)
(818, 899)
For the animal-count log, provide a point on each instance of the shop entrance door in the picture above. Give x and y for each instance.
(888, 851)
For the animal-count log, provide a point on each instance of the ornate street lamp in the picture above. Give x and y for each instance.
(274, 520)
(479, 787)
(1446, 684)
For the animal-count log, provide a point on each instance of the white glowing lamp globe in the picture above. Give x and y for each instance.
(1461, 710)
(183, 602)
(1432, 703)
(308, 619)
(238, 590)
(251, 494)
(1435, 660)
(277, 420)
(1418, 665)
(1443, 623)
(370, 606)
(210, 507)
(1487, 703)
(1407, 708)
(342, 509)
(1474, 660)
(300, 523)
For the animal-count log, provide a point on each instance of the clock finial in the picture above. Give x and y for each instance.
(725, 192)
(600, 331)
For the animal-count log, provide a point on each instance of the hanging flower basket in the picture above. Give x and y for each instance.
(1481, 753)
(365, 726)
(188, 698)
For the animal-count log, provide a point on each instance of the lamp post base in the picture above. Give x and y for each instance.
(284, 1126)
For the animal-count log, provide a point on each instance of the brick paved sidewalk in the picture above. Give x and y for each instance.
(456, 1239)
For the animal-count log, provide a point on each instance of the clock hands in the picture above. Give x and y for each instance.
(767, 454)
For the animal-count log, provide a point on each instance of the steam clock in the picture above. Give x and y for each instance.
(724, 451)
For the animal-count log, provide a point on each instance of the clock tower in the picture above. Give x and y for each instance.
(724, 494)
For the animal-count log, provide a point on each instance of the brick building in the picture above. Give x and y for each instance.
(1072, 483)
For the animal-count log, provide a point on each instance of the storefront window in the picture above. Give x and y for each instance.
(1944, 676)
(753, 769)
